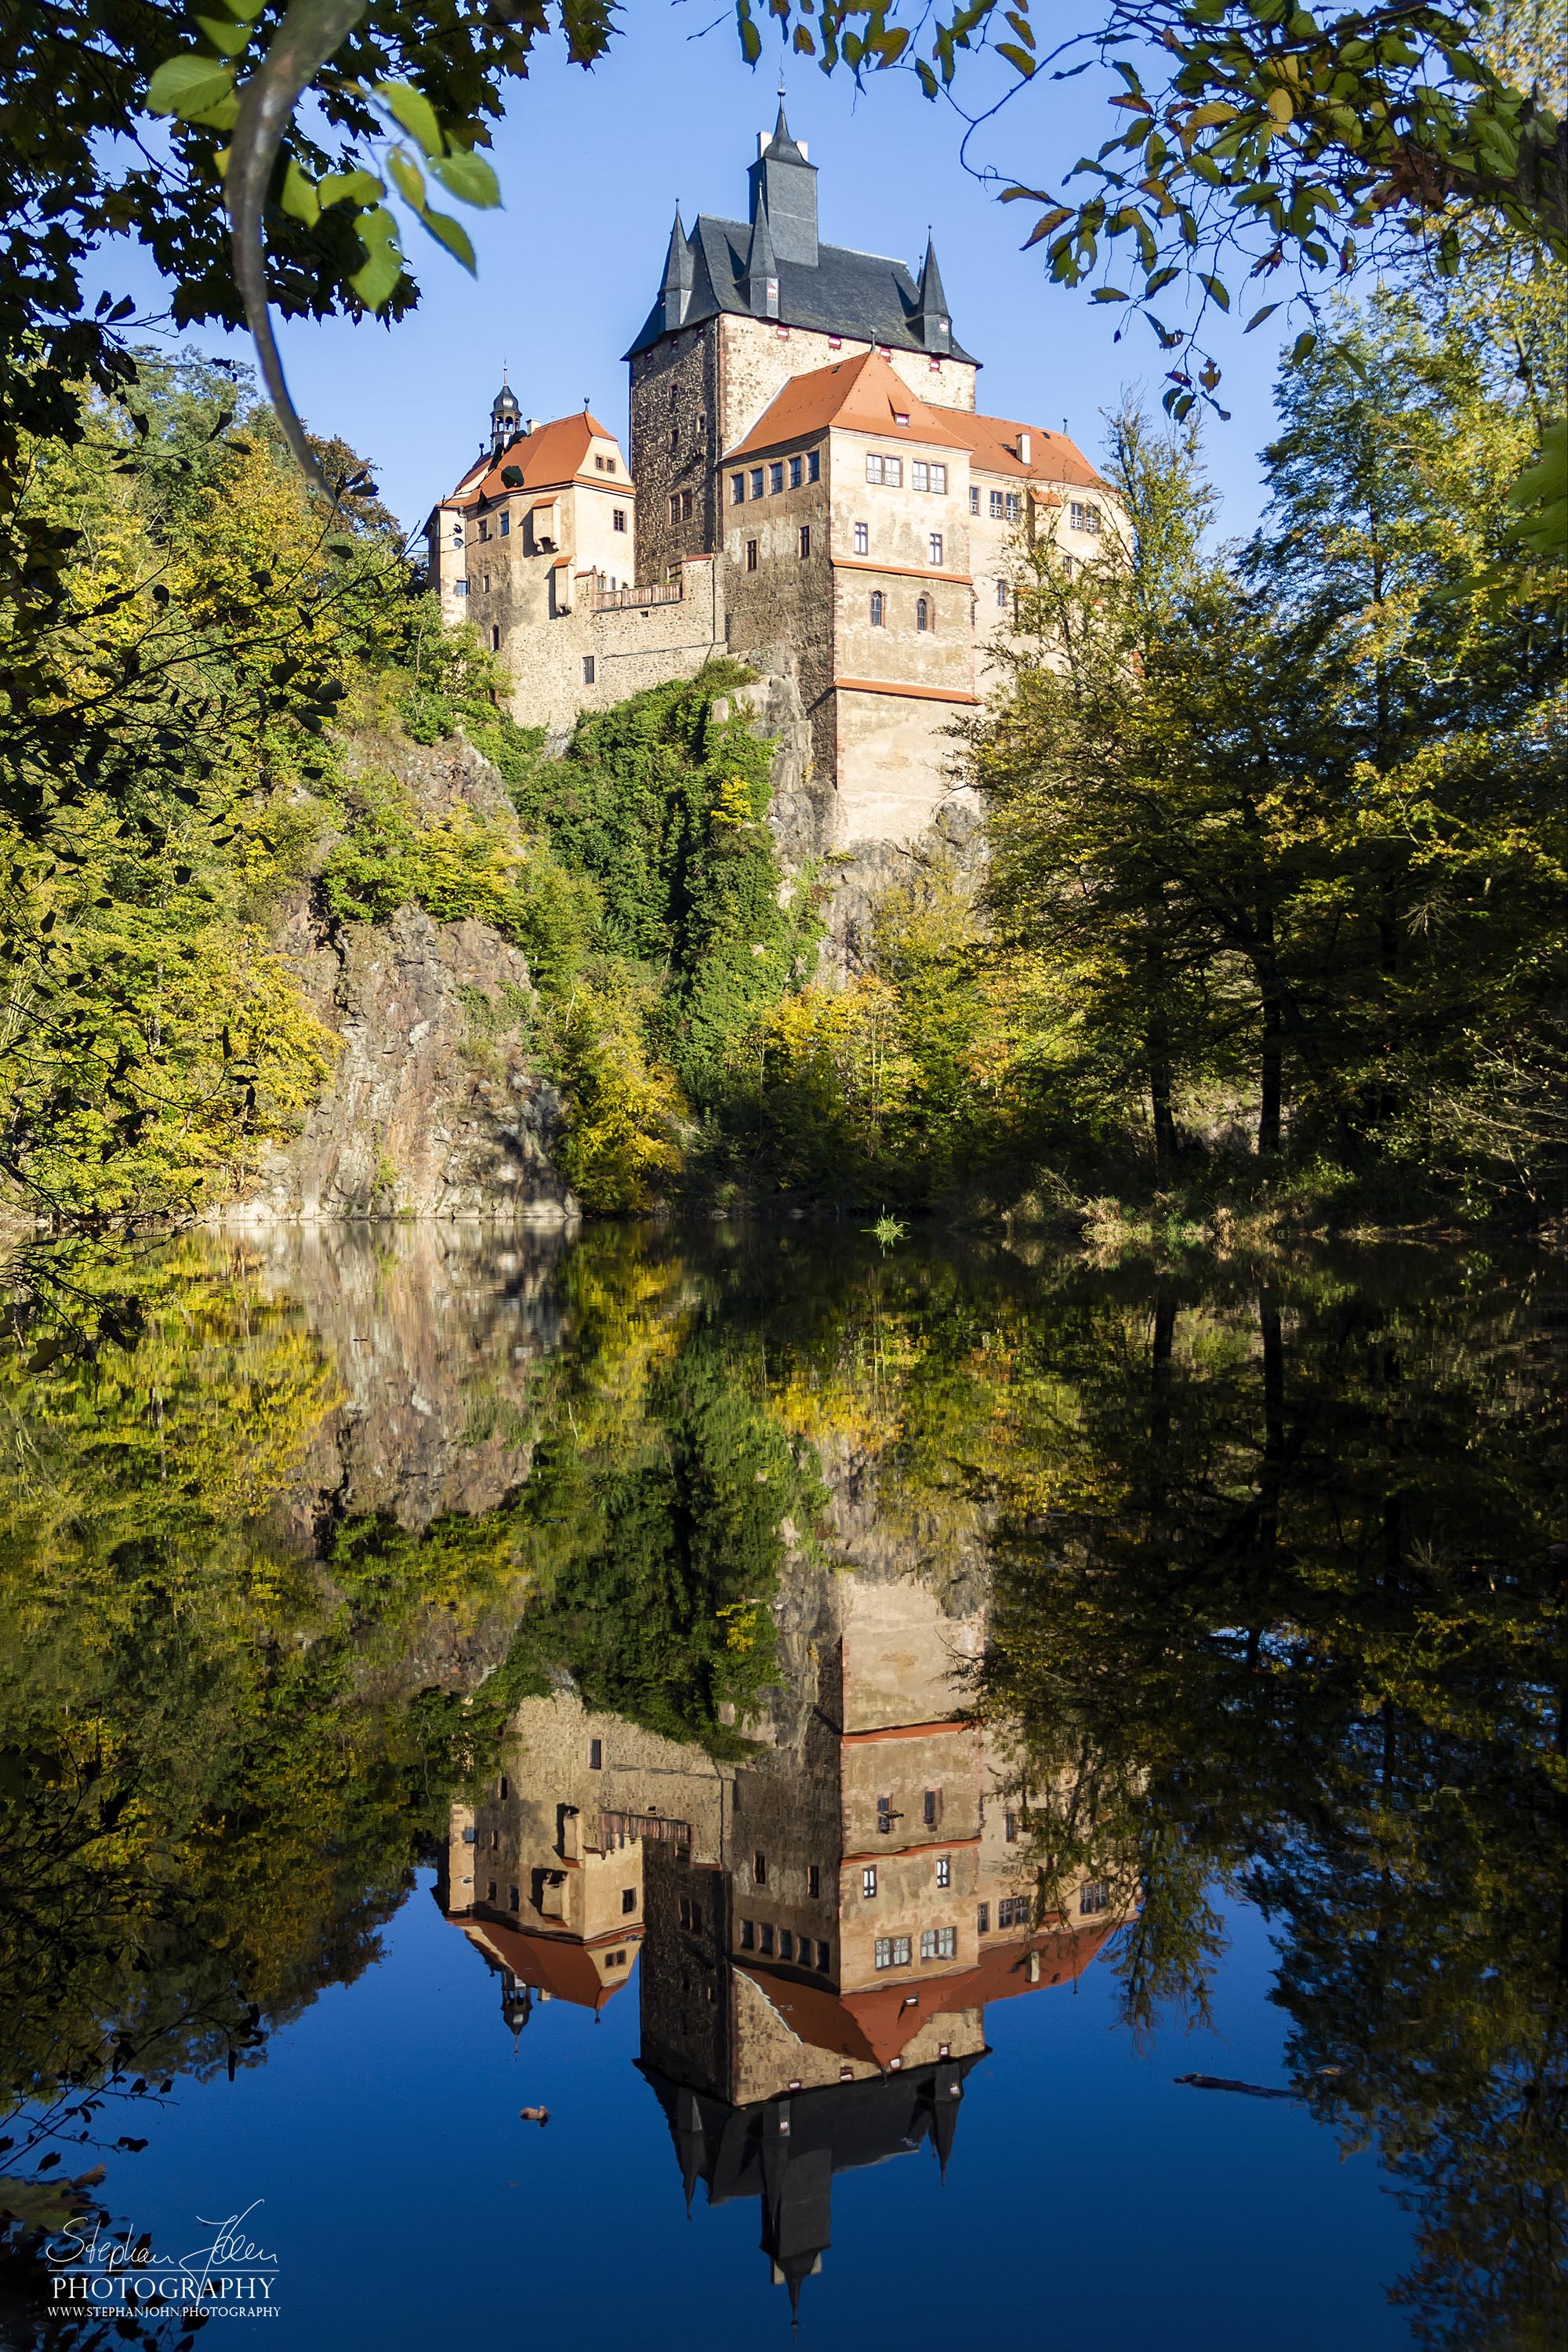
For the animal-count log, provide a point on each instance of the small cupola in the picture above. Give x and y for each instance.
(506, 418)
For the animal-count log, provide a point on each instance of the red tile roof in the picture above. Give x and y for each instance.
(548, 458)
(861, 395)
(993, 445)
(557, 1965)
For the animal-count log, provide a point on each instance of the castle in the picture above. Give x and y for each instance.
(811, 486)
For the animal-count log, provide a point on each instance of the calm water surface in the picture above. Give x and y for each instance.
(983, 1794)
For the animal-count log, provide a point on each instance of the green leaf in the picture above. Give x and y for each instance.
(358, 187)
(412, 112)
(752, 40)
(1258, 317)
(1108, 294)
(377, 232)
(1160, 278)
(407, 178)
(1019, 59)
(454, 237)
(468, 177)
(299, 198)
(1215, 289)
(227, 40)
(1044, 227)
(1302, 347)
(183, 85)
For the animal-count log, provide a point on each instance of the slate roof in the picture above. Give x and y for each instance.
(866, 297)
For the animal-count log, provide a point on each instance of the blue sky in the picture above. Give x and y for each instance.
(591, 164)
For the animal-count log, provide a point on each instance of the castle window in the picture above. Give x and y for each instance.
(900, 416)
(490, 1897)
(936, 547)
(938, 479)
(485, 528)
(868, 1881)
(1001, 595)
(751, 555)
(997, 509)
(505, 525)
(629, 1898)
(587, 669)
(892, 1951)
(737, 489)
(893, 471)
(596, 1747)
(923, 613)
(794, 473)
(875, 608)
(682, 506)
(758, 1869)
(918, 470)
(862, 538)
(605, 465)
(944, 1870)
(495, 641)
(486, 583)
(813, 465)
(786, 1945)
(1014, 506)
(1084, 518)
(805, 540)
(974, 499)
(675, 436)
(618, 518)
(824, 1958)
(813, 1880)
(835, 342)
(783, 335)
(765, 1940)
(757, 481)
(930, 1808)
(938, 1943)
(873, 466)
(1010, 1828)
(513, 1898)
(983, 1919)
(1093, 1898)
(776, 477)
(748, 1936)
(505, 1786)
(459, 587)
(885, 1815)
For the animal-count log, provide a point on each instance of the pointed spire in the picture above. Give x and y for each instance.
(931, 322)
(679, 276)
(761, 284)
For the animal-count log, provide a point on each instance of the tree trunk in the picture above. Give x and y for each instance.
(1272, 1077)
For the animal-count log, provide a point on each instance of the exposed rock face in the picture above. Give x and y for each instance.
(434, 1109)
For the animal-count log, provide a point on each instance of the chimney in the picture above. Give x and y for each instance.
(530, 423)
(1022, 448)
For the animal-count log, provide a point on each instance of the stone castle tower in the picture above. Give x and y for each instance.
(811, 486)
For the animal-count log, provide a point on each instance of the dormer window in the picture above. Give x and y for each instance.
(900, 416)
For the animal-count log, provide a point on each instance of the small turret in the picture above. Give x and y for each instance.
(679, 276)
(932, 322)
(761, 285)
(506, 418)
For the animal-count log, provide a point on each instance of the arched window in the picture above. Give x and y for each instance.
(922, 614)
(875, 608)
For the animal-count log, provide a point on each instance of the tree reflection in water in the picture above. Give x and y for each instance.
(1215, 1576)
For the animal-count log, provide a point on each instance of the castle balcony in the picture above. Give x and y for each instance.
(637, 600)
(622, 1829)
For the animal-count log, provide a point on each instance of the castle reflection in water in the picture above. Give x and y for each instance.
(821, 1925)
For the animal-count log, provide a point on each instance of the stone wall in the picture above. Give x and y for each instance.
(674, 396)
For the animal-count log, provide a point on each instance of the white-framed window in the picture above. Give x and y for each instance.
(939, 479)
(936, 545)
(892, 1951)
(587, 669)
(1014, 506)
(873, 466)
(998, 507)
(973, 498)
(983, 1919)
(1013, 1911)
(868, 1881)
(737, 489)
(862, 538)
(918, 470)
(459, 587)
(617, 517)
(1010, 1827)
(1001, 595)
(1084, 518)
(1093, 1898)
(776, 477)
(900, 416)
(938, 1943)
(944, 1870)
(893, 471)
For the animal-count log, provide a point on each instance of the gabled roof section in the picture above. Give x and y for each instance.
(548, 458)
(992, 444)
(557, 1965)
(866, 297)
(861, 395)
